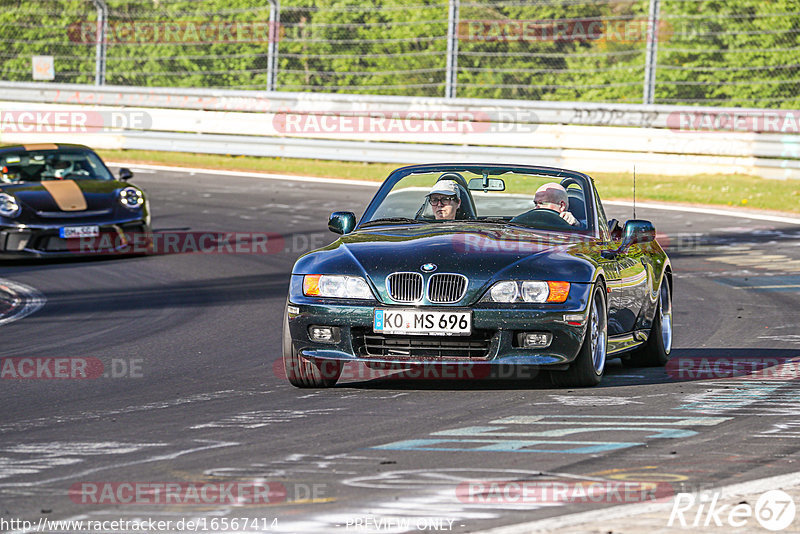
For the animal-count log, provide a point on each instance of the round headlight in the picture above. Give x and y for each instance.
(504, 292)
(130, 197)
(535, 291)
(9, 207)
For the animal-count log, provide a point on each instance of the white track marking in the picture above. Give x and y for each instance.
(260, 175)
(365, 183)
(31, 300)
(599, 517)
(706, 211)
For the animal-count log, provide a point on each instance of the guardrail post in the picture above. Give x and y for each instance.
(651, 54)
(272, 46)
(452, 50)
(100, 50)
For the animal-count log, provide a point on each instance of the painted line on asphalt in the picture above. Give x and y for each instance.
(30, 300)
(260, 175)
(707, 211)
(318, 179)
(595, 517)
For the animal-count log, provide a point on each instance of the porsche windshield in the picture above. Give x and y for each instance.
(531, 200)
(43, 165)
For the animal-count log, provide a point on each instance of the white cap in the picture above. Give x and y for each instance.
(446, 187)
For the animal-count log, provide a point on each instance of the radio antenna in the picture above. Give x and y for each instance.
(634, 191)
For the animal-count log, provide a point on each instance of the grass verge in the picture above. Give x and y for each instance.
(730, 190)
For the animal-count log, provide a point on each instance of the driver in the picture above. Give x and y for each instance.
(553, 196)
(445, 199)
(62, 168)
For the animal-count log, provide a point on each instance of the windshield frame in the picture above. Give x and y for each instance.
(493, 170)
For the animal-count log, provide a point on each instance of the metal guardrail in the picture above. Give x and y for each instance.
(590, 137)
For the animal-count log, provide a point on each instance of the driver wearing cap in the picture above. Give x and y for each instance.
(445, 199)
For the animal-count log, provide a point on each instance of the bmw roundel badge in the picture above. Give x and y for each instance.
(428, 267)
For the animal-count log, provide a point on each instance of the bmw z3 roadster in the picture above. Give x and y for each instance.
(480, 265)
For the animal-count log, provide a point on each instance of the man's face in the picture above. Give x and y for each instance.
(542, 200)
(444, 207)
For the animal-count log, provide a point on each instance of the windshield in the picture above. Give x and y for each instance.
(42, 165)
(523, 199)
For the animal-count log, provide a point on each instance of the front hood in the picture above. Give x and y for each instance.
(482, 254)
(99, 195)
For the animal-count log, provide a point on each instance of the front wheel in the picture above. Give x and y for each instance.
(655, 351)
(304, 373)
(587, 368)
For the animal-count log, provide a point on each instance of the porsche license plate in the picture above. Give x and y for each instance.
(68, 232)
(424, 322)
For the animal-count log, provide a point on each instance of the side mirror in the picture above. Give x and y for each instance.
(637, 231)
(125, 174)
(342, 222)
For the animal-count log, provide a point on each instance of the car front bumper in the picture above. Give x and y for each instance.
(43, 241)
(494, 340)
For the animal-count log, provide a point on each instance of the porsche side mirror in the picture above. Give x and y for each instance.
(342, 222)
(125, 174)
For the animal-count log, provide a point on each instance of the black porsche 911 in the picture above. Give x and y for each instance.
(61, 200)
(488, 265)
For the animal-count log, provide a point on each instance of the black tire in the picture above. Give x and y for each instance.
(655, 351)
(304, 373)
(588, 367)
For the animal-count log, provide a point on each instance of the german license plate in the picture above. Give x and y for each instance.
(424, 322)
(68, 232)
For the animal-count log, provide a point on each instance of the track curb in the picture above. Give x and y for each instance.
(18, 301)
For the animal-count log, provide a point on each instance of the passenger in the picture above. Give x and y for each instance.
(445, 199)
(553, 196)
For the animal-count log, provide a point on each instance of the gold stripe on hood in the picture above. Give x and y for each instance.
(67, 194)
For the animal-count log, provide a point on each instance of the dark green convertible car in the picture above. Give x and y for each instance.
(480, 265)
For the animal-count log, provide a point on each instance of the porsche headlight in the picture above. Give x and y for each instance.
(130, 197)
(336, 286)
(9, 207)
(527, 291)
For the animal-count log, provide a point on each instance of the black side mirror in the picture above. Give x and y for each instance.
(125, 174)
(342, 222)
(635, 231)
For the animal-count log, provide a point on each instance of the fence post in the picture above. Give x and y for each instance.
(100, 50)
(272, 46)
(651, 53)
(452, 51)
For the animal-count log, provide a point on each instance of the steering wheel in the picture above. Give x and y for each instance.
(542, 218)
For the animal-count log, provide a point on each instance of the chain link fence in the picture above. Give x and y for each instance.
(706, 52)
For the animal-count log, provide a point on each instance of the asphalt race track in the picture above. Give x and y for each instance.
(192, 394)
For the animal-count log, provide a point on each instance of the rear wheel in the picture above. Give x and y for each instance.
(304, 373)
(655, 351)
(587, 369)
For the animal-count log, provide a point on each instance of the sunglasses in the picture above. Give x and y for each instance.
(442, 200)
